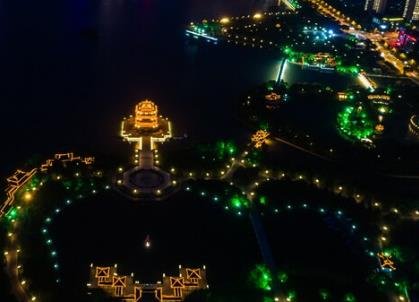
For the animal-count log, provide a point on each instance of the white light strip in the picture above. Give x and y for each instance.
(281, 71)
(365, 82)
(201, 35)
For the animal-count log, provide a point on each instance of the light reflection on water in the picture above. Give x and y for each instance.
(72, 69)
(295, 73)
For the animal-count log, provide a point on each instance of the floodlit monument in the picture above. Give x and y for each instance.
(145, 128)
(146, 115)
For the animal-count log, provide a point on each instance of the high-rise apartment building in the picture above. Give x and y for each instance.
(411, 10)
(377, 6)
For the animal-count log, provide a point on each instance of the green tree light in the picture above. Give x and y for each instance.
(355, 122)
(239, 202)
(263, 200)
(13, 213)
(283, 277)
(349, 297)
(261, 277)
(324, 294)
(292, 295)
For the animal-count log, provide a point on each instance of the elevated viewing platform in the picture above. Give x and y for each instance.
(145, 129)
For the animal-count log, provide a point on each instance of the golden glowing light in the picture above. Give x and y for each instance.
(257, 16)
(145, 128)
(27, 196)
(146, 115)
(225, 20)
(342, 96)
(171, 288)
(272, 97)
(259, 138)
(379, 128)
(380, 97)
(386, 262)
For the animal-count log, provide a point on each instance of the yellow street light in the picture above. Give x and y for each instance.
(224, 20)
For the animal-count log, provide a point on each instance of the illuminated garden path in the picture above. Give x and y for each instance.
(20, 182)
(254, 217)
(146, 160)
(145, 128)
(237, 163)
(257, 225)
(12, 267)
(264, 246)
(249, 190)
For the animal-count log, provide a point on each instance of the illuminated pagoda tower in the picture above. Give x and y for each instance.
(146, 115)
(145, 128)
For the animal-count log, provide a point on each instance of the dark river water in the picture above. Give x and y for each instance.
(71, 69)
